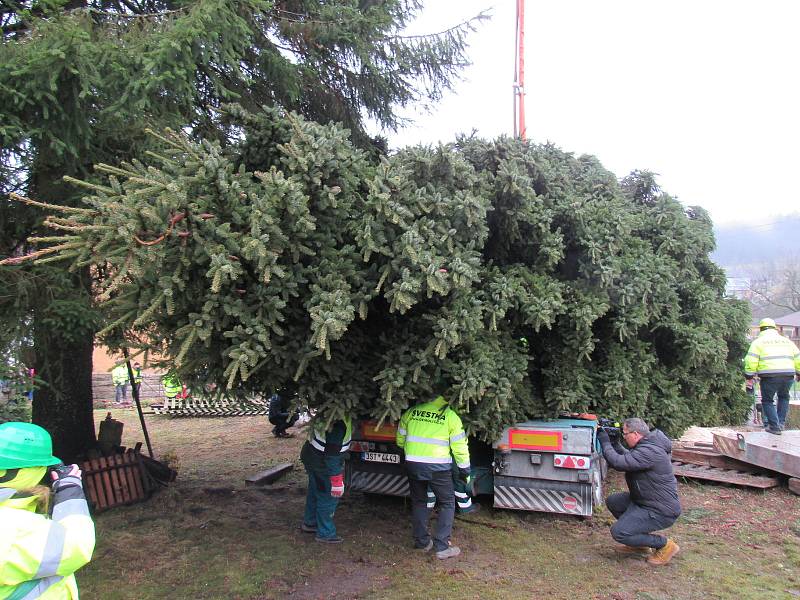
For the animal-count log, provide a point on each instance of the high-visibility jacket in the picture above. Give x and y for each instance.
(39, 555)
(137, 376)
(432, 434)
(771, 355)
(325, 450)
(172, 386)
(119, 375)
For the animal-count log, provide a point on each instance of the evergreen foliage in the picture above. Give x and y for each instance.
(294, 255)
(79, 79)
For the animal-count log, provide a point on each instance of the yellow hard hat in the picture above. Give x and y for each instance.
(766, 323)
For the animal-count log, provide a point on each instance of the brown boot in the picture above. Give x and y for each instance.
(624, 549)
(663, 555)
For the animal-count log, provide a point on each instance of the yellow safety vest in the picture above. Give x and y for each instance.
(172, 386)
(119, 375)
(39, 555)
(772, 354)
(432, 433)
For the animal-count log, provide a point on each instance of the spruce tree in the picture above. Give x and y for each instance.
(81, 79)
(528, 279)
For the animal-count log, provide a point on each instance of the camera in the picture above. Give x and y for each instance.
(611, 427)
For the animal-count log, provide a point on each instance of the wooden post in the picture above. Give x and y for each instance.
(135, 392)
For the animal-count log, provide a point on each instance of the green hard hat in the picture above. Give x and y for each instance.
(25, 445)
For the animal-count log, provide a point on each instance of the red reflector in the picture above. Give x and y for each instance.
(567, 461)
(359, 446)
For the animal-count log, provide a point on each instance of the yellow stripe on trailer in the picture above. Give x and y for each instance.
(534, 439)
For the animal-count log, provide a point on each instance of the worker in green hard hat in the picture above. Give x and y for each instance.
(40, 547)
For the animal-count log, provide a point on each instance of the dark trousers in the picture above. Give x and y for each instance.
(441, 483)
(282, 422)
(770, 387)
(635, 523)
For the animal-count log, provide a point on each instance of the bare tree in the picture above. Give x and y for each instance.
(775, 286)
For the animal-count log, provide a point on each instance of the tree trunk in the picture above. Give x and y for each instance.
(63, 405)
(63, 334)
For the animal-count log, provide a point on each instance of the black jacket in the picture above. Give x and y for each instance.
(648, 472)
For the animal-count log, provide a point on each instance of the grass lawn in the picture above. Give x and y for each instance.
(207, 536)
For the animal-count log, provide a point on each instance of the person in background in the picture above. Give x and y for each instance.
(651, 502)
(432, 435)
(119, 377)
(775, 360)
(323, 458)
(281, 414)
(41, 547)
(137, 379)
(173, 388)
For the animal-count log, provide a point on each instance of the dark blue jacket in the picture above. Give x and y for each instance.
(648, 472)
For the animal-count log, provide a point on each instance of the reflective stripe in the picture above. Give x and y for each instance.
(6, 493)
(431, 460)
(401, 431)
(70, 508)
(753, 354)
(321, 447)
(749, 372)
(53, 550)
(778, 371)
(31, 590)
(430, 504)
(424, 440)
(458, 436)
(790, 357)
(463, 465)
(461, 494)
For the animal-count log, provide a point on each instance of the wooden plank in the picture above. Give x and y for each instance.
(724, 476)
(713, 459)
(268, 476)
(794, 485)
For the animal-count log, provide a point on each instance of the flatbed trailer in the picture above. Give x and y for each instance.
(552, 465)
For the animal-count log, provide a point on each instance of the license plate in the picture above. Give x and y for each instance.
(380, 457)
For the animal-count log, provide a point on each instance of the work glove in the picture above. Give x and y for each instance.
(337, 485)
(66, 476)
(603, 437)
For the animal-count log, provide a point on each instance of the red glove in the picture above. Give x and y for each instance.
(337, 485)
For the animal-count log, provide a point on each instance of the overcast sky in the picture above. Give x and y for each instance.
(704, 93)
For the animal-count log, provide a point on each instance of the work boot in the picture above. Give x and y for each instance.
(308, 528)
(333, 540)
(625, 549)
(774, 430)
(449, 552)
(663, 555)
(426, 548)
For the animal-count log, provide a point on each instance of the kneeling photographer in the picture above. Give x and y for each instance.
(40, 546)
(651, 503)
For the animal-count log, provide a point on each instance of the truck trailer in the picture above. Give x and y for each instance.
(548, 465)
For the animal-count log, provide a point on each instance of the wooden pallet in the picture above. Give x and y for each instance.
(190, 407)
(734, 477)
(115, 480)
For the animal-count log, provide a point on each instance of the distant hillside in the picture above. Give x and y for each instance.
(741, 245)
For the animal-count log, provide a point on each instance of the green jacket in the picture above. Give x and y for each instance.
(432, 434)
(38, 555)
(772, 354)
(324, 451)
